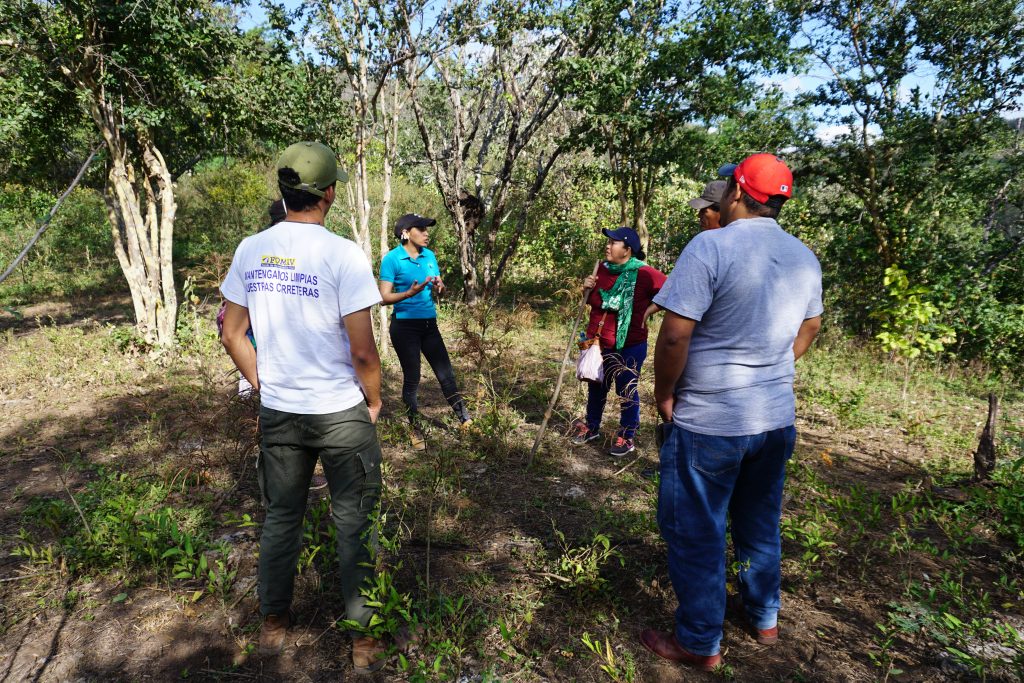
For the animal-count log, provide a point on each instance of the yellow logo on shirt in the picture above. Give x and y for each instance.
(277, 262)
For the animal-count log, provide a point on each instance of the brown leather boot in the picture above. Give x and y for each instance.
(368, 655)
(667, 647)
(273, 633)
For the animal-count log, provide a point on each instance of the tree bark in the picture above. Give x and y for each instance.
(141, 211)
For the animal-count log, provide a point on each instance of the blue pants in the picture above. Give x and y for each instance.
(703, 478)
(622, 366)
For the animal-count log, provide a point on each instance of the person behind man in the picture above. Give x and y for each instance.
(708, 213)
(708, 205)
(307, 294)
(620, 302)
(742, 305)
(277, 214)
(409, 276)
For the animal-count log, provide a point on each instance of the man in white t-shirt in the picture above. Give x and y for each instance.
(307, 293)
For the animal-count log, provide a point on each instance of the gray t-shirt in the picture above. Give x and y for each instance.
(749, 285)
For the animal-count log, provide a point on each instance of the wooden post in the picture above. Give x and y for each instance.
(561, 372)
(985, 456)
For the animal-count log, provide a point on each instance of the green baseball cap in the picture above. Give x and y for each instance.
(316, 165)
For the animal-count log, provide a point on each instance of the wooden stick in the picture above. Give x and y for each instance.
(561, 372)
(628, 465)
(25, 576)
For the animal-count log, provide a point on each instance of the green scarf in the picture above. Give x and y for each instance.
(619, 299)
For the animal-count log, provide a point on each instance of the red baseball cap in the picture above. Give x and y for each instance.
(761, 176)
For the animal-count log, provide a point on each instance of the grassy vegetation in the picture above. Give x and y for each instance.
(893, 562)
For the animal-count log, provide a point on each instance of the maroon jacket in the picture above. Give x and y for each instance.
(648, 283)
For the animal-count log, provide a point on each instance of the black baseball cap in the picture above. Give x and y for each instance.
(627, 235)
(412, 220)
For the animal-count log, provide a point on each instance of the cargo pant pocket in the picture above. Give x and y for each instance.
(261, 477)
(372, 481)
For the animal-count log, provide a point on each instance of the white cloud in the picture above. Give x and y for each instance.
(830, 133)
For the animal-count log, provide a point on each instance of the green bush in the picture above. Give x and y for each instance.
(74, 254)
(219, 204)
(122, 523)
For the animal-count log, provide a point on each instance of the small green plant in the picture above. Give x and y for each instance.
(580, 566)
(884, 659)
(194, 331)
(1008, 500)
(909, 328)
(117, 521)
(127, 340)
(319, 537)
(393, 609)
(816, 535)
(624, 671)
(220, 578)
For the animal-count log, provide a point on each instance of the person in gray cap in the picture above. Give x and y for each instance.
(708, 205)
(307, 294)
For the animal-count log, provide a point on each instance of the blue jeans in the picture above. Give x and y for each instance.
(702, 479)
(622, 366)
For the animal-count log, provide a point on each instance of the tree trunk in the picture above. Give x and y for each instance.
(390, 115)
(142, 226)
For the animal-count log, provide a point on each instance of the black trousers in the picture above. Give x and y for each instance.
(411, 337)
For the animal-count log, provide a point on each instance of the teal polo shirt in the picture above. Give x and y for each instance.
(400, 269)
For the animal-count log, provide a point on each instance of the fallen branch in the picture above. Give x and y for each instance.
(49, 217)
(626, 467)
(245, 593)
(25, 576)
(554, 577)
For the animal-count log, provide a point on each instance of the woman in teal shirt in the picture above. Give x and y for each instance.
(409, 276)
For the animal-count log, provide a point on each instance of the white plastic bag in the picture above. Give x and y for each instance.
(590, 366)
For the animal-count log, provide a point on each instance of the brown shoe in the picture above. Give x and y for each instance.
(764, 636)
(273, 633)
(767, 636)
(418, 442)
(368, 655)
(665, 646)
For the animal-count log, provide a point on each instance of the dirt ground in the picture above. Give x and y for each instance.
(471, 517)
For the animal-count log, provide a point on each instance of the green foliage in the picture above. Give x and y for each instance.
(219, 204)
(1007, 500)
(319, 538)
(124, 524)
(196, 332)
(919, 173)
(639, 105)
(73, 255)
(909, 327)
(579, 567)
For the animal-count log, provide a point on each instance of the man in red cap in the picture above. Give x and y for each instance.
(741, 305)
